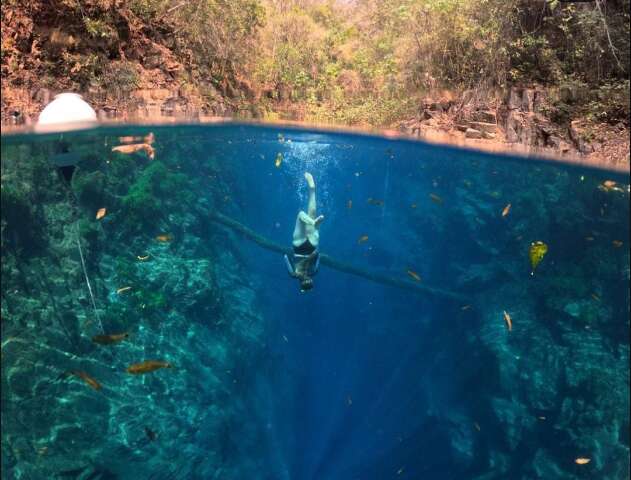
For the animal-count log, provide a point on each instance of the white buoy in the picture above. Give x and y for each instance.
(68, 111)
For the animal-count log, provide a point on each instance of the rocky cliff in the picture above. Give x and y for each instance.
(531, 119)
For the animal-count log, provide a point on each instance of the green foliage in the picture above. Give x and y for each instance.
(149, 300)
(347, 63)
(98, 28)
(143, 296)
(610, 103)
(154, 191)
(148, 9)
(141, 206)
(218, 35)
(368, 111)
(353, 59)
(120, 77)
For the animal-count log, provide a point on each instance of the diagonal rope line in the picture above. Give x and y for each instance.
(87, 280)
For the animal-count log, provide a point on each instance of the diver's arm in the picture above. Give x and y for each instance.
(290, 268)
(304, 218)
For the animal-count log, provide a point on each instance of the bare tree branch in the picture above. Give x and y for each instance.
(611, 45)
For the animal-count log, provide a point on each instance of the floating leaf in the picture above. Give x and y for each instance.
(536, 253)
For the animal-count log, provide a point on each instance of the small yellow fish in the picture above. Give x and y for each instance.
(166, 237)
(506, 210)
(536, 252)
(589, 239)
(123, 290)
(414, 275)
(142, 258)
(147, 366)
(279, 160)
(617, 243)
(101, 213)
(436, 199)
(362, 239)
(582, 460)
(508, 320)
(413, 205)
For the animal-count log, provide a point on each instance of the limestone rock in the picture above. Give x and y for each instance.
(486, 116)
(514, 99)
(472, 133)
(527, 100)
(576, 134)
(484, 126)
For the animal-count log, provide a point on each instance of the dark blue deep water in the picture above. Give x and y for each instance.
(399, 364)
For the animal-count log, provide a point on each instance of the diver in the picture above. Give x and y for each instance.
(306, 257)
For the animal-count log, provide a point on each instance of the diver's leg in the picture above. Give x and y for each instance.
(300, 234)
(311, 207)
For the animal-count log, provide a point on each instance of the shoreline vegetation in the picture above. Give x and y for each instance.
(552, 76)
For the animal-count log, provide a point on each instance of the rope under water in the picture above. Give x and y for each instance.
(87, 280)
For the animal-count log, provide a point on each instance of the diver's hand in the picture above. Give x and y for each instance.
(318, 220)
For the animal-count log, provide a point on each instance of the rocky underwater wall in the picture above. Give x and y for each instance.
(543, 373)
(159, 274)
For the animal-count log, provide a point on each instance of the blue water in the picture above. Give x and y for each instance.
(355, 379)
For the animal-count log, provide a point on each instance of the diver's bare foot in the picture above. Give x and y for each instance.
(309, 179)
